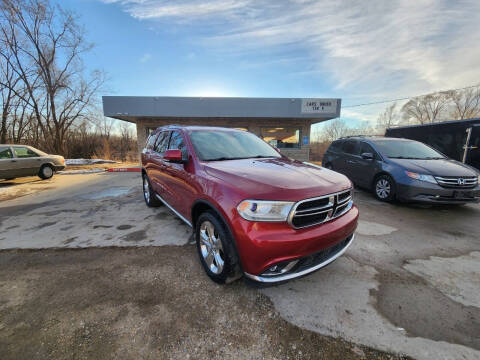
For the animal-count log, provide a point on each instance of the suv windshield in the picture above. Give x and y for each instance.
(401, 149)
(229, 145)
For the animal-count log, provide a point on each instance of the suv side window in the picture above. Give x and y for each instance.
(151, 141)
(176, 142)
(162, 142)
(24, 152)
(350, 147)
(366, 148)
(336, 146)
(5, 152)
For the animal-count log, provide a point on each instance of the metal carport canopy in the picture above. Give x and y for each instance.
(130, 108)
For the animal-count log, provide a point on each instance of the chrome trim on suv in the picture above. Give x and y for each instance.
(174, 211)
(285, 277)
(336, 207)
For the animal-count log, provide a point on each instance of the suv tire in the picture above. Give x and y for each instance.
(384, 188)
(216, 249)
(148, 194)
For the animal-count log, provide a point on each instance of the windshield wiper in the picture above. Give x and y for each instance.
(222, 158)
(401, 157)
(237, 158)
(258, 157)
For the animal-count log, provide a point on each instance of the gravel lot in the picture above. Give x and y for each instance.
(87, 271)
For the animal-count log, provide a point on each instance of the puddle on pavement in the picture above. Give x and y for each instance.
(111, 192)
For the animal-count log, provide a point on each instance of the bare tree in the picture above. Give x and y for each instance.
(335, 129)
(465, 103)
(425, 109)
(46, 46)
(9, 83)
(387, 118)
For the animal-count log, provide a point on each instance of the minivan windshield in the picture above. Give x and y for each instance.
(211, 145)
(406, 149)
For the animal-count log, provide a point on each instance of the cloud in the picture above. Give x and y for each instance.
(373, 48)
(150, 9)
(145, 57)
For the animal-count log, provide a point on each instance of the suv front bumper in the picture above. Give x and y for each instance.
(262, 245)
(308, 264)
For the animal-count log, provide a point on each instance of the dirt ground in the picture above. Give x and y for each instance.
(103, 166)
(149, 303)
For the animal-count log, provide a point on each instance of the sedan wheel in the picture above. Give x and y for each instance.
(211, 248)
(46, 172)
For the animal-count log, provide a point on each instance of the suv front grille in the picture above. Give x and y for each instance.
(321, 209)
(457, 182)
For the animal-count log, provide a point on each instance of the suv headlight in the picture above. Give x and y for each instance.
(262, 210)
(421, 177)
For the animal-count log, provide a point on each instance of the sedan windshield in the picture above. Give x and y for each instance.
(402, 149)
(213, 145)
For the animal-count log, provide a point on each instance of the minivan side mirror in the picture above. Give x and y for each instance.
(367, 156)
(173, 155)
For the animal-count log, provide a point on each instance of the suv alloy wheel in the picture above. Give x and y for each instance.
(148, 193)
(215, 248)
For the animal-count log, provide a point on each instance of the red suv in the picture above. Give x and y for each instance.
(254, 211)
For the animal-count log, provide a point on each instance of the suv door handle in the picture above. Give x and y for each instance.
(13, 160)
(351, 161)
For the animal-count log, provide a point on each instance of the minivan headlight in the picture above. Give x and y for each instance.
(421, 177)
(262, 210)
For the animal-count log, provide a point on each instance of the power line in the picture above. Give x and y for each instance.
(407, 97)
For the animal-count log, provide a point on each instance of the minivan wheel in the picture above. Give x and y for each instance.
(384, 188)
(46, 172)
(148, 194)
(215, 249)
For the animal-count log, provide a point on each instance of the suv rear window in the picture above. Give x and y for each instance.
(162, 142)
(151, 141)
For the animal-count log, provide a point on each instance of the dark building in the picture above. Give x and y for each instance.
(459, 139)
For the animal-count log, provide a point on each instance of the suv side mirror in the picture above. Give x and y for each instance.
(367, 156)
(173, 155)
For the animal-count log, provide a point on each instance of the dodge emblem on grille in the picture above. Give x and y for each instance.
(461, 181)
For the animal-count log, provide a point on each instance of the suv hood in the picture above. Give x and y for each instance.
(437, 167)
(277, 179)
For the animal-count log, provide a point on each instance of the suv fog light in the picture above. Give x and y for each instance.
(280, 268)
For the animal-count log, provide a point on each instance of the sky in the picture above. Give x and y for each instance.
(359, 51)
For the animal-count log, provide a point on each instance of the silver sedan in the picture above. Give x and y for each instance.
(22, 160)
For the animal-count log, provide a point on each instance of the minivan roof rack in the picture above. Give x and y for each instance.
(353, 136)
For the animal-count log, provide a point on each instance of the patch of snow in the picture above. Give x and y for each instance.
(372, 228)
(87, 161)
